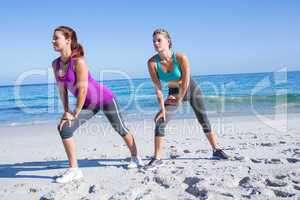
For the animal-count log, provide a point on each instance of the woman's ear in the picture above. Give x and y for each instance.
(68, 41)
(170, 46)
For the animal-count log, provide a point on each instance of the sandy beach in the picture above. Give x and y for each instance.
(264, 163)
(123, 63)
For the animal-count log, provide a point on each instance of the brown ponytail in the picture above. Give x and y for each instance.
(77, 51)
(69, 33)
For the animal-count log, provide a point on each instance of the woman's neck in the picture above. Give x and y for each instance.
(165, 55)
(65, 55)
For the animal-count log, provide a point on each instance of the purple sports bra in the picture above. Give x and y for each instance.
(97, 94)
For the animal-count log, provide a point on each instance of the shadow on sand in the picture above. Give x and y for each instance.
(13, 170)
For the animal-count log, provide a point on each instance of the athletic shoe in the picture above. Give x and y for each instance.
(135, 162)
(153, 164)
(69, 175)
(219, 154)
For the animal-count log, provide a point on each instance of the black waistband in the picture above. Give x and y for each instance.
(173, 91)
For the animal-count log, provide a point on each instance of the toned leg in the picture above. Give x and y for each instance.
(70, 148)
(157, 146)
(160, 129)
(114, 116)
(129, 140)
(67, 135)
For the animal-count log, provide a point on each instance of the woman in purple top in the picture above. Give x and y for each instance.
(71, 73)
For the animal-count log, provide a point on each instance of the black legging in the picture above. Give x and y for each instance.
(110, 110)
(195, 97)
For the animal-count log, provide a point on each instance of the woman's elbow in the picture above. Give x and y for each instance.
(82, 91)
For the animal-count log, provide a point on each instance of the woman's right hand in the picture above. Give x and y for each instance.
(161, 114)
(66, 117)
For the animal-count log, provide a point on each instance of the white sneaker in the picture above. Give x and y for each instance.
(135, 162)
(70, 175)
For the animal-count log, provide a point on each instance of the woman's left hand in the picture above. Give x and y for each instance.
(67, 117)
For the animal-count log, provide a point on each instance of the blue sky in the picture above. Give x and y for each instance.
(217, 36)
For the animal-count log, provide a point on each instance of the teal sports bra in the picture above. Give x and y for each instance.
(175, 75)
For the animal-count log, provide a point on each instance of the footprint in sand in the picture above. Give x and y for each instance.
(280, 193)
(186, 151)
(273, 161)
(249, 186)
(174, 154)
(275, 183)
(192, 180)
(194, 188)
(257, 160)
(295, 180)
(296, 187)
(163, 181)
(286, 151)
(198, 191)
(227, 195)
(240, 158)
(296, 151)
(245, 182)
(146, 180)
(281, 176)
(49, 196)
(93, 189)
(293, 160)
(266, 144)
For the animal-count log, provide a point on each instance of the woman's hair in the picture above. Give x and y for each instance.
(165, 33)
(69, 33)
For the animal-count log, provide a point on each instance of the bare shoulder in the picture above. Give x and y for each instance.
(181, 56)
(79, 61)
(151, 61)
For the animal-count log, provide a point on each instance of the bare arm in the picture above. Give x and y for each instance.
(81, 71)
(185, 70)
(156, 82)
(63, 92)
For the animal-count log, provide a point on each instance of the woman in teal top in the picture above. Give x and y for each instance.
(173, 68)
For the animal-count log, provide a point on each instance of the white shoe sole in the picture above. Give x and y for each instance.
(74, 179)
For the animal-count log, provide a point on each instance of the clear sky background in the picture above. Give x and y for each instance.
(218, 36)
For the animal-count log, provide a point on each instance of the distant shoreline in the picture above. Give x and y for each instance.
(141, 78)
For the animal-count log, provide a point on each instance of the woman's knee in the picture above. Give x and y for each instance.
(120, 129)
(66, 131)
(160, 128)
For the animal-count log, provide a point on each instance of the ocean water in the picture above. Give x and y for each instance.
(230, 94)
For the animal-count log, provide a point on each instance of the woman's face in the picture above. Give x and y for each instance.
(160, 42)
(59, 41)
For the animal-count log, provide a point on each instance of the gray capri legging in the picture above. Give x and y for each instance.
(110, 110)
(195, 98)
